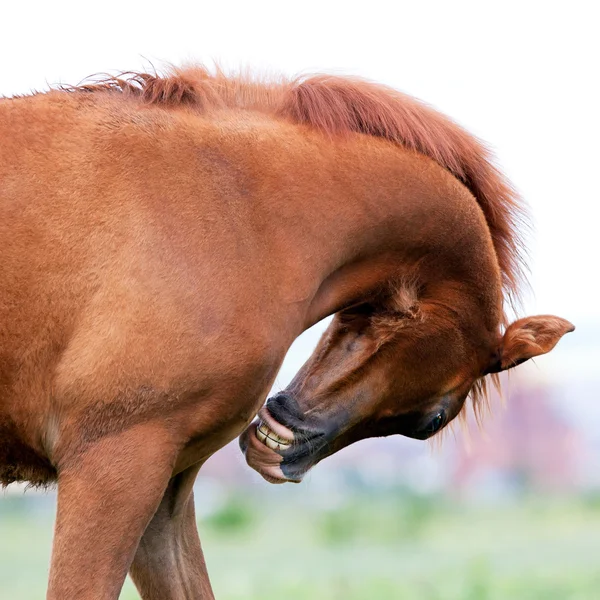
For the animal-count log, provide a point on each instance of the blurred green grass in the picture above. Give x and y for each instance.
(372, 546)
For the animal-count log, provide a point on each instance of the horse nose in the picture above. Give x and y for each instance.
(284, 409)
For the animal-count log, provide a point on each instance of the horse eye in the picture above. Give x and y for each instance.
(436, 423)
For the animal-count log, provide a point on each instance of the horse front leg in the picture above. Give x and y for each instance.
(169, 564)
(107, 495)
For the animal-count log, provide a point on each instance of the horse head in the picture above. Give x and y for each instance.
(401, 364)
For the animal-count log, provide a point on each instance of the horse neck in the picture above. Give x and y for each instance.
(364, 211)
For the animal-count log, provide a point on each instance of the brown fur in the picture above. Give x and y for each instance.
(338, 105)
(163, 241)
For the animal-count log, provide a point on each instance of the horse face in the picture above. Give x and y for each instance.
(378, 372)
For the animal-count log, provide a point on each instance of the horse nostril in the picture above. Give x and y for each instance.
(284, 409)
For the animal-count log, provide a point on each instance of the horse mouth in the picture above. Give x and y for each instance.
(273, 450)
(272, 434)
(270, 438)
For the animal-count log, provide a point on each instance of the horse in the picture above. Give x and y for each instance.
(164, 239)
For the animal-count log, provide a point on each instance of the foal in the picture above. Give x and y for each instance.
(164, 240)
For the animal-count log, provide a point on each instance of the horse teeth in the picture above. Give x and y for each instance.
(270, 438)
(272, 443)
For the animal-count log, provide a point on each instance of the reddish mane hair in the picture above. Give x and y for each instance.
(338, 105)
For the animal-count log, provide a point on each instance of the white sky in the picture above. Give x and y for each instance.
(521, 75)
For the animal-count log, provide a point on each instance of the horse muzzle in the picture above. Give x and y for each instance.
(282, 452)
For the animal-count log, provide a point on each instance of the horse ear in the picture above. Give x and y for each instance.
(526, 338)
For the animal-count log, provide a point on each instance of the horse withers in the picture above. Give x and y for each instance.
(163, 240)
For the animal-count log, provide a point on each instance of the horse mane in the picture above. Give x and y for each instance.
(339, 105)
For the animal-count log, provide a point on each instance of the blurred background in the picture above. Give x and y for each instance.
(508, 510)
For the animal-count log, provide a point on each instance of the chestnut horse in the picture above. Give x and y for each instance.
(164, 240)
